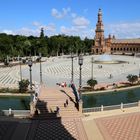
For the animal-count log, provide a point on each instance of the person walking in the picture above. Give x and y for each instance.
(57, 110)
(67, 102)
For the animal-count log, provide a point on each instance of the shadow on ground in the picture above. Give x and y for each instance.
(45, 124)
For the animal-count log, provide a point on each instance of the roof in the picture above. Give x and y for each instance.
(126, 40)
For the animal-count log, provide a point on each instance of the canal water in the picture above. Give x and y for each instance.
(15, 103)
(111, 98)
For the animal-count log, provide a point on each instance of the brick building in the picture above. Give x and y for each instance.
(112, 45)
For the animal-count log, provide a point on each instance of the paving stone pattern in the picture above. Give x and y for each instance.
(123, 127)
(59, 70)
(57, 130)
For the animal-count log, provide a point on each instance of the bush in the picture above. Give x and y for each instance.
(23, 85)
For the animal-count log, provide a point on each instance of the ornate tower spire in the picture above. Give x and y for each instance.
(100, 16)
(99, 34)
(99, 25)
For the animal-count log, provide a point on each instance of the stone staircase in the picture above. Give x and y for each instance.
(48, 101)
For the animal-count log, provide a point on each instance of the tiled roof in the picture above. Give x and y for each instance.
(126, 40)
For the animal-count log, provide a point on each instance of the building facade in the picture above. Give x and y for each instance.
(111, 45)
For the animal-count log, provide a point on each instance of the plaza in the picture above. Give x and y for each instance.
(50, 50)
(58, 69)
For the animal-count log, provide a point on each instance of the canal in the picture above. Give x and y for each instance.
(111, 98)
(14, 102)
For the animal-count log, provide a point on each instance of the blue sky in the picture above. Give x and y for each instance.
(70, 17)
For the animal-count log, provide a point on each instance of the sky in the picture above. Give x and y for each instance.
(71, 17)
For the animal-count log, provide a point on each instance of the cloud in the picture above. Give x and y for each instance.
(124, 30)
(81, 22)
(49, 28)
(68, 31)
(57, 14)
(36, 23)
(75, 31)
(27, 31)
(10, 32)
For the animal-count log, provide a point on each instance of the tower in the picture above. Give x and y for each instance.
(42, 33)
(99, 46)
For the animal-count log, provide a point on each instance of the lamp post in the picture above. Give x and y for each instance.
(20, 70)
(80, 76)
(92, 61)
(139, 70)
(72, 67)
(30, 69)
(40, 68)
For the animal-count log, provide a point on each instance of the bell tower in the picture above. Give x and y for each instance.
(99, 46)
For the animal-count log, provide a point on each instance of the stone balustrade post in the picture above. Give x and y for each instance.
(32, 108)
(102, 108)
(121, 106)
(139, 103)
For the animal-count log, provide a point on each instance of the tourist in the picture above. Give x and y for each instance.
(65, 84)
(65, 105)
(67, 102)
(57, 110)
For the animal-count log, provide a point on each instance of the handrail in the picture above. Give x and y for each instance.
(113, 107)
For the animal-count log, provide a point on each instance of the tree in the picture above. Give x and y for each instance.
(23, 85)
(132, 78)
(92, 83)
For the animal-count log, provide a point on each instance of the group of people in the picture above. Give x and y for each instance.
(63, 84)
(58, 109)
(100, 66)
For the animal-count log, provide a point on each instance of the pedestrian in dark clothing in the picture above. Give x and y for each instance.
(57, 110)
(67, 102)
(65, 105)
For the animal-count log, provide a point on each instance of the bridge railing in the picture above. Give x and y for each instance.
(15, 113)
(113, 107)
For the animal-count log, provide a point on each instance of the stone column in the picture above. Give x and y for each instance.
(32, 108)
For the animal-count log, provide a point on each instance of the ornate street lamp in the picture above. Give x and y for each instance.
(139, 70)
(80, 76)
(30, 69)
(20, 68)
(72, 66)
(92, 61)
(40, 68)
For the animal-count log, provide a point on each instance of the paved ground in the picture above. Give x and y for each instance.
(113, 125)
(124, 127)
(58, 69)
(106, 125)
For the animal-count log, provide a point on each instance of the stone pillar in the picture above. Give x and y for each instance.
(139, 103)
(32, 108)
(121, 106)
(80, 106)
(102, 108)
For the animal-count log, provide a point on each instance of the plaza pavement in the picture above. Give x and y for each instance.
(113, 125)
(106, 125)
(58, 69)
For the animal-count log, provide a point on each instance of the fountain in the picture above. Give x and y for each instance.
(106, 59)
